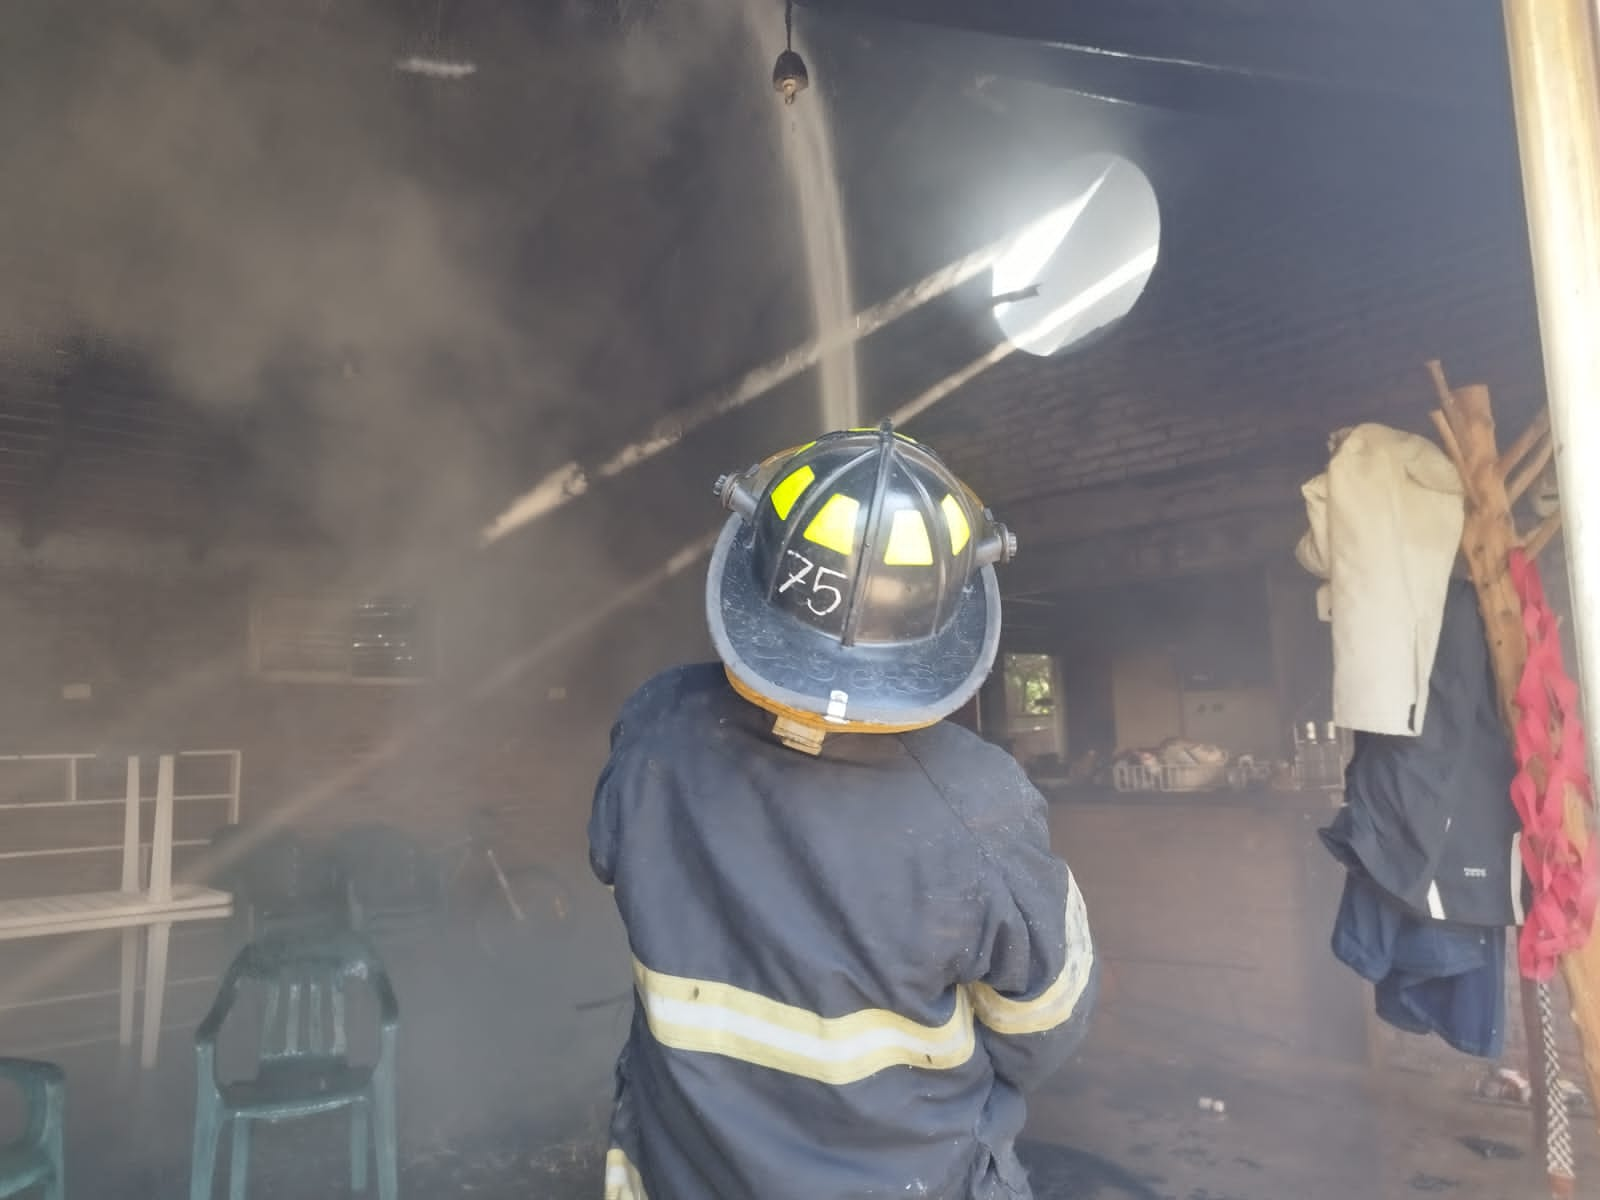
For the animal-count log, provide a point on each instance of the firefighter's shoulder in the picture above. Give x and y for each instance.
(668, 691)
(987, 788)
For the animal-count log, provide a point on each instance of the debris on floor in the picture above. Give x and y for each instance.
(1489, 1147)
(1064, 1173)
(1433, 1183)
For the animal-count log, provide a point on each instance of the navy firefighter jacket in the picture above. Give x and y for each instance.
(848, 968)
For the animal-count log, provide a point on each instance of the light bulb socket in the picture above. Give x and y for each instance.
(789, 76)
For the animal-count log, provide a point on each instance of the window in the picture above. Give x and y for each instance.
(1084, 264)
(1035, 726)
(307, 639)
(1030, 687)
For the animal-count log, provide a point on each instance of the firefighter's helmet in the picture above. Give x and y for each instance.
(853, 588)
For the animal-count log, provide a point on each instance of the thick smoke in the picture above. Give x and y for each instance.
(404, 298)
(405, 293)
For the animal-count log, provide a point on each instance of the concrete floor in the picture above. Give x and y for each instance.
(1293, 1130)
(505, 1079)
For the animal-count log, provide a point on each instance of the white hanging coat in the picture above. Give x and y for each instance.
(1386, 521)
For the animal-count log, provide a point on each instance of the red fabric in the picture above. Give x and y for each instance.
(1549, 738)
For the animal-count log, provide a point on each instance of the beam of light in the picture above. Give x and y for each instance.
(75, 952)
(572, 480)
(565, 483)
(1020, 265)
(1079, 304)
(1134, 268)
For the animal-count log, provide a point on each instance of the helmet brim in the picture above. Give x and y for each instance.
(904, 685)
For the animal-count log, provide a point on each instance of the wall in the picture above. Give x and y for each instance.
(1146, 699)
(1147, 661)
(1150, 705)
(1211, 916)
(1302, 645)
(166, 657)
(1240, 720)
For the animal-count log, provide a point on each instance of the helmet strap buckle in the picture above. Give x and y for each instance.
(804, 736)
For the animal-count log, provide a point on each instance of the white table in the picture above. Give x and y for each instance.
(153, 908)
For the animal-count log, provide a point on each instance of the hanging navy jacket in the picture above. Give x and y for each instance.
(1429, 818)
(1428, 976)
(848, 968)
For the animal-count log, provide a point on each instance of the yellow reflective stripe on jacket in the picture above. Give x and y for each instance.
(717, 1018)
(622, 1178)
(1056, 1004)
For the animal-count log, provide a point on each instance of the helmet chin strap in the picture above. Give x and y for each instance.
(805, 731)
(797, 730)
(804, 736)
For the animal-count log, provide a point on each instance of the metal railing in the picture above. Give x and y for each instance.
(71, 797)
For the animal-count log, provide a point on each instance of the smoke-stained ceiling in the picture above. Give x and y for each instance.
(264, 284)
(1255, 60)
(259, 280)
(1340, 201)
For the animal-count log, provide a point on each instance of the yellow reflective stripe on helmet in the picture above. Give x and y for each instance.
(956, 518)
(787, 492)
(908, 541)
(701, 1016)
(835, 526)
(1057, 1003)
(622, 1178)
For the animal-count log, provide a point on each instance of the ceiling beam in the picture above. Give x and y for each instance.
(1204, 58)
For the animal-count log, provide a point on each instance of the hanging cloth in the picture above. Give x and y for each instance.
(1427, 976)
(1549, 743)
(1385, 524)
(1429, 818)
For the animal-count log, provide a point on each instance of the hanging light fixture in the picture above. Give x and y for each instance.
(789, 74)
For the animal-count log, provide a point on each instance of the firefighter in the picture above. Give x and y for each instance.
(854, 952)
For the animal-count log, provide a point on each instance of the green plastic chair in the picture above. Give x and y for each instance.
(35, 1160)
(281, 884)
(394, 888)
(303, 1063)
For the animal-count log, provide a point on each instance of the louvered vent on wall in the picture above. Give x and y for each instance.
(317, 639)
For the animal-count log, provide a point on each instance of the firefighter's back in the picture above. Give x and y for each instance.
(801, 930)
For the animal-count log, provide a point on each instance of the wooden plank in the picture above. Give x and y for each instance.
(130, 829)
(158, 941)
(55, 911)
(1465, 420)
(128, 986)
(160, 890)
